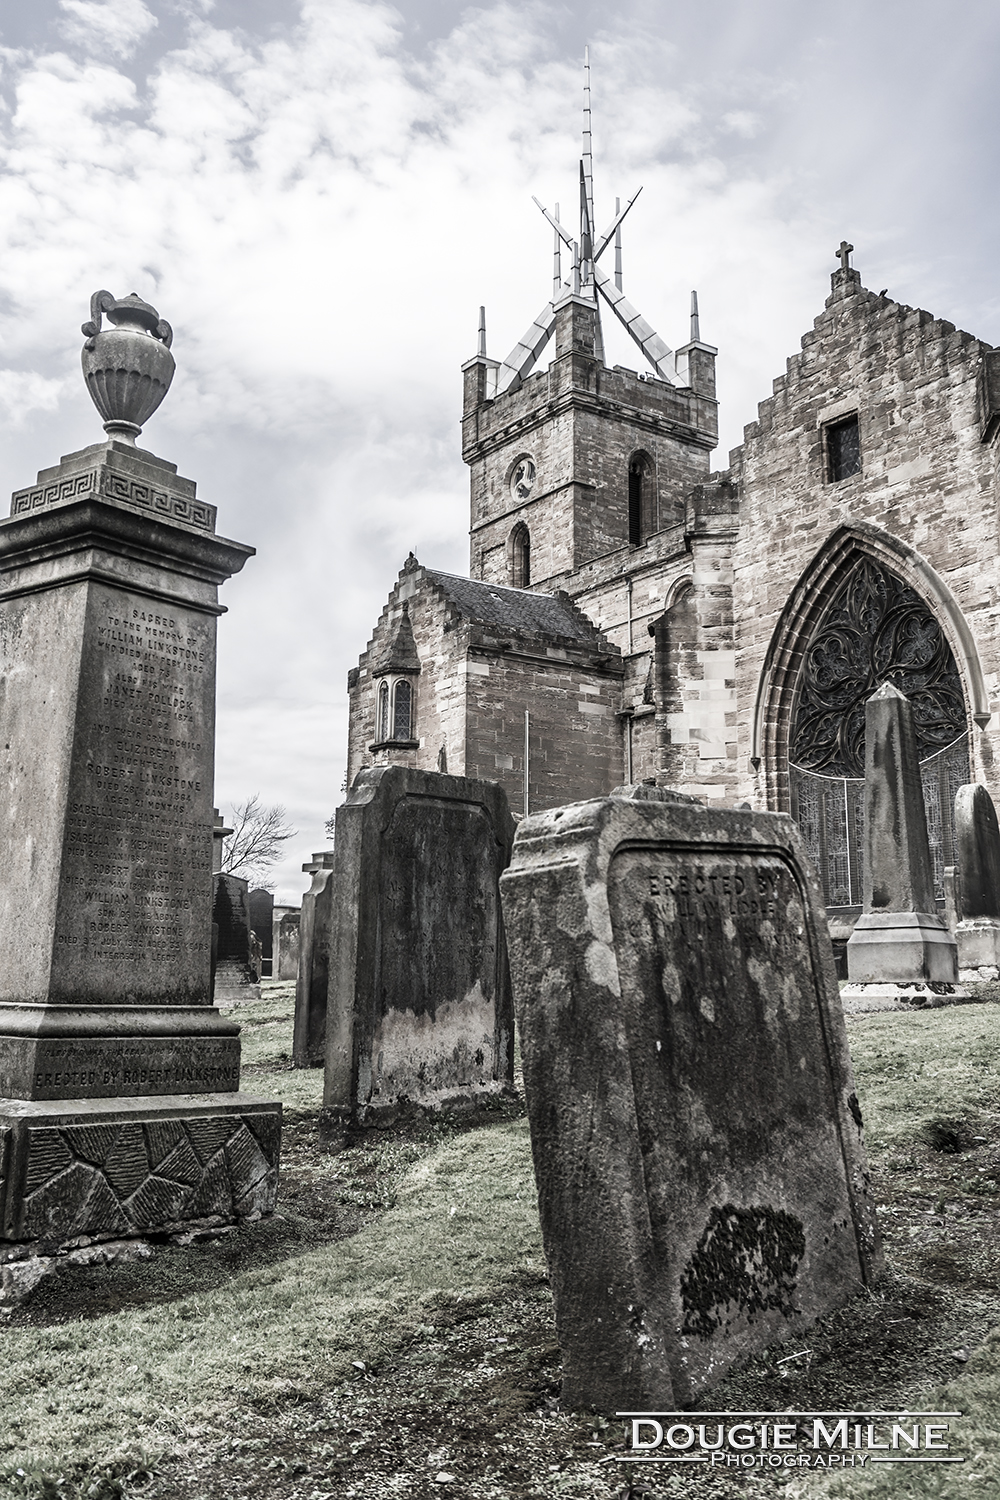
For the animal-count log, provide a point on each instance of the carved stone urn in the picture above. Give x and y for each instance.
(128, 367)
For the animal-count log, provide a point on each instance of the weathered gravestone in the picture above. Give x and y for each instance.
(419, 1008)
(309, 1031)
(261, 905)
(901, 953)
(236, 978)
(120, 1109)
(285, 942)
(977, 848)
(695, 1130)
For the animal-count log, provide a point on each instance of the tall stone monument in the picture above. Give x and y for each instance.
(120, 1108)
(696, 1134)
(419, 1010)
(901, 953)
(309, 1031)
(977, 848)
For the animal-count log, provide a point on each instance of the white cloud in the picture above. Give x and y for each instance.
(23, 392)
(115, 26)
(741, 122)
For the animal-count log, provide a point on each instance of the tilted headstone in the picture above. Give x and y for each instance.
(419, 1008)
(696, 1134)
(120, 1109)
(309, 1032)
(977, 850)
(261, 905)
(236, 978)
(285, 942)
(901, 952)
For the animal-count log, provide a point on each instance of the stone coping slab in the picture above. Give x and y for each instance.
(860, 998)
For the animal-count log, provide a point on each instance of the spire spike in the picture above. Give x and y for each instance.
(586, 239)
(556, 260)
(481, 351)
(695, 321)
(587, 180)
(595, 281)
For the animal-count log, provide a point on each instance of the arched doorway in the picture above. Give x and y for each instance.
(876, 629)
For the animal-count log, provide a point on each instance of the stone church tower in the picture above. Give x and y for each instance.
(631, 615)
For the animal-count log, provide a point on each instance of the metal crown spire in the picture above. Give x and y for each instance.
(588, 279)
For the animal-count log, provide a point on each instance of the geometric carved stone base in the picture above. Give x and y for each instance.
(130, 1166)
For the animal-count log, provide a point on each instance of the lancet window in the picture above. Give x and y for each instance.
(394, 711)
(640, 499)
(402, 710)
(382, 715)
(520, 556)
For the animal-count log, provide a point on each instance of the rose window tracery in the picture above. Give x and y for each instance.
(877, 630)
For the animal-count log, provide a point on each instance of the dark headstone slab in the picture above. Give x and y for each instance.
(261, 905)
(901, 952)
(313, 982)
(236, 976)
(419, 1003)
(232, 913)
(977, 849)
(696, 1134)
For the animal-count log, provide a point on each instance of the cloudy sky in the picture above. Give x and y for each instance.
(319, 196)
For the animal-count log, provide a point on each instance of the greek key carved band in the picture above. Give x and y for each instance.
(117, 487)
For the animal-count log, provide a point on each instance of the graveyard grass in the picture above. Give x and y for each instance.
(390, 1331)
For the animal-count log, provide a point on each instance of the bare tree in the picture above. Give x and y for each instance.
(255, 843)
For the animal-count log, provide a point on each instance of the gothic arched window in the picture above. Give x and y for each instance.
(520, 556)
(402, 711)
(876, 630)
(382, 713)
(640, 499)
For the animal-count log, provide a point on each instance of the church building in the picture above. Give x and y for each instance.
(633, 615)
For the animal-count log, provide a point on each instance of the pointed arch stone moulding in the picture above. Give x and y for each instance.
(809, 601)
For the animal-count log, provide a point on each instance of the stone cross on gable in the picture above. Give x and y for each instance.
(844, 254)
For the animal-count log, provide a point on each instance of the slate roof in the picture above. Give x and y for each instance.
(519, 611)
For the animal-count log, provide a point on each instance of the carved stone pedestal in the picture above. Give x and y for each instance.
(120, 1109)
